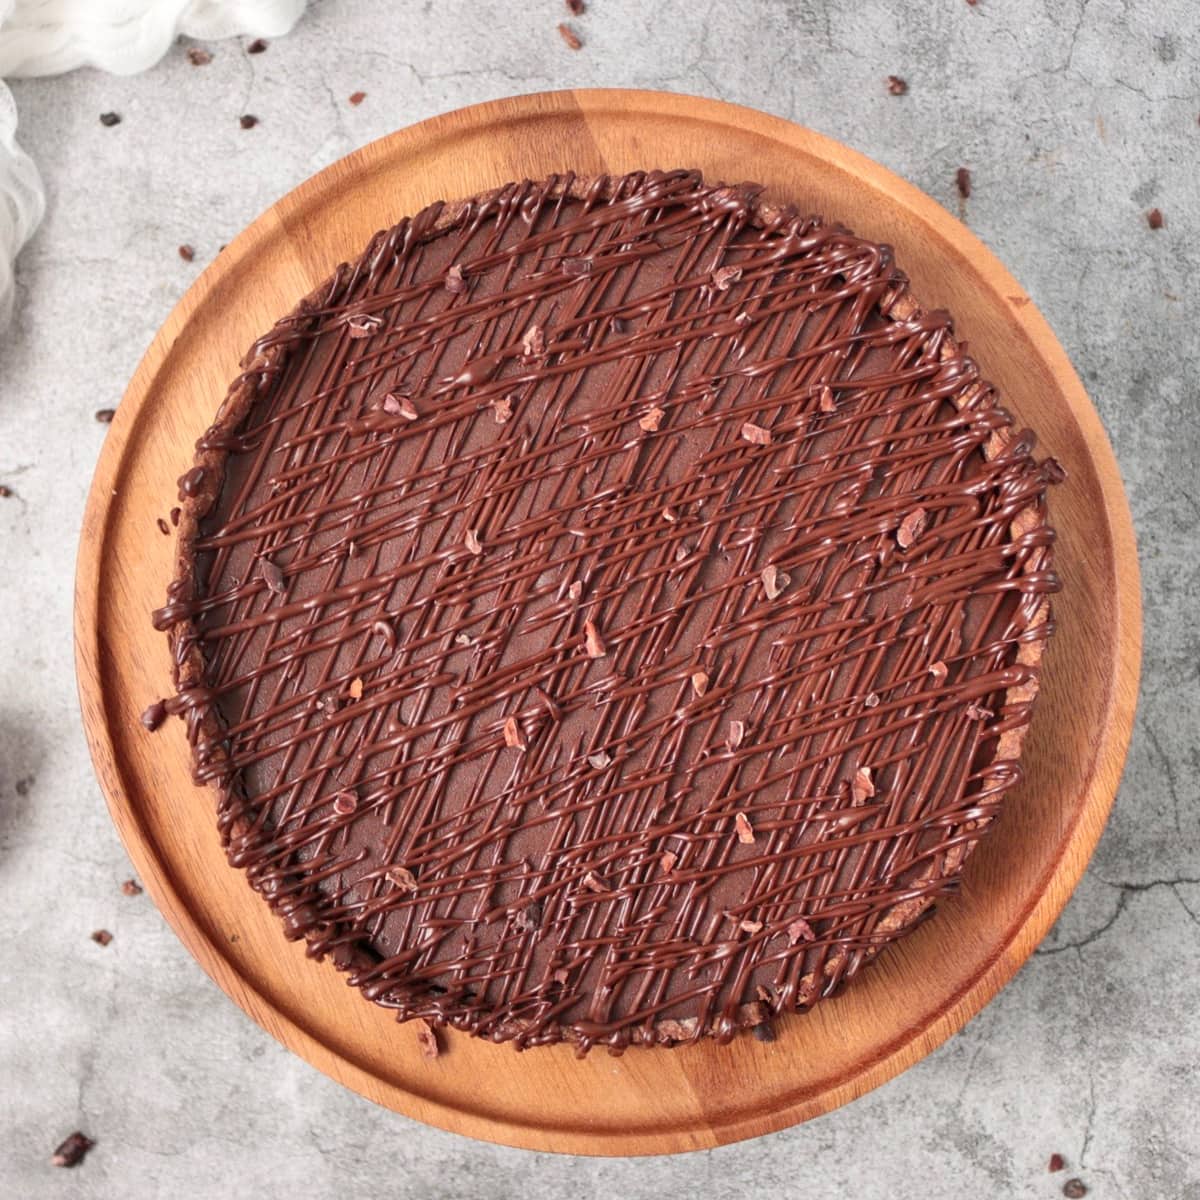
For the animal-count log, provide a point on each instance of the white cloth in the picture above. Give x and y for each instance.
(22, 200)
(47, 37)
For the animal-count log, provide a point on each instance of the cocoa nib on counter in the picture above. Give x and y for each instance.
(72, 1150)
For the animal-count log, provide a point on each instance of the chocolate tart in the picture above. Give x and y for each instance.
(609, 610)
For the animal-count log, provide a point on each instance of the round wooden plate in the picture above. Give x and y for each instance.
(921, 990)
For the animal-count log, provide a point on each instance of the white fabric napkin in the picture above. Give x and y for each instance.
(47, 37)
(22, 200)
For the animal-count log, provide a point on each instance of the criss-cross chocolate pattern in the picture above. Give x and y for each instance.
(608, 610)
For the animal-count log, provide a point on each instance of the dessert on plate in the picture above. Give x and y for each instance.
(609, 610)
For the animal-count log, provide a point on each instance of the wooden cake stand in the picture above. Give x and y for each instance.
(922, 989)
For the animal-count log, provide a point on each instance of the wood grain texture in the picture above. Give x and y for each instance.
(648, 1101)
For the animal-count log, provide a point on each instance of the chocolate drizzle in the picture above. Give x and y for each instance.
(587, 602)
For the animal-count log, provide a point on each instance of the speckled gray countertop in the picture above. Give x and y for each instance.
(1075, 118)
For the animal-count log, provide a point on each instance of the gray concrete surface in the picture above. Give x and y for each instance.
(1075, 117)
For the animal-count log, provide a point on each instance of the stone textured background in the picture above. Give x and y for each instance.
(1075, 117)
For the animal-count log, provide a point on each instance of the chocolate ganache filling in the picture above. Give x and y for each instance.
(609, 610)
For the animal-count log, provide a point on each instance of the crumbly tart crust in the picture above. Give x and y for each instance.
(610, 610)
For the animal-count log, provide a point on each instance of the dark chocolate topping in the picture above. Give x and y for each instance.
(608, 610)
